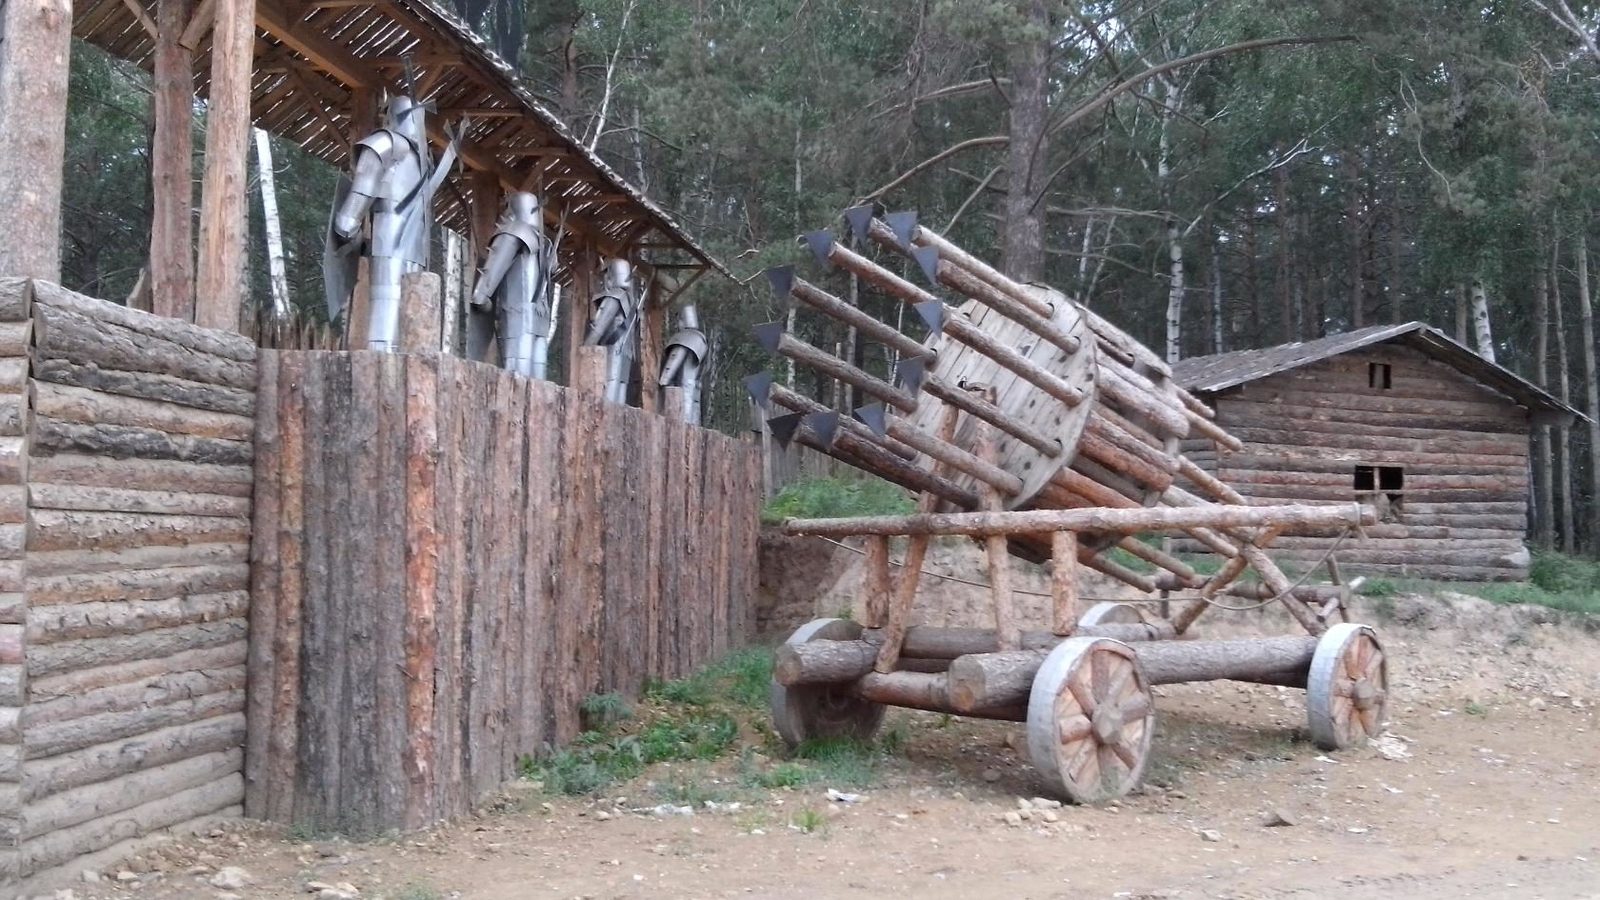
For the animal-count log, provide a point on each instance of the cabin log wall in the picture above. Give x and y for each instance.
(1463, 448)
(450, 559)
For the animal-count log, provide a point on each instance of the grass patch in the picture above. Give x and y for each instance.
(822, 498)
(418, 890)
(693, 718)
(1555, 580)
(1473, 708)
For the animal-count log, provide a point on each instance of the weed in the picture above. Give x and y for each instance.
(605, 711)
(305, 833)
(692, 789)
(740, 678)
(1474, 708)
(418, 890)
(842, 762)
(836, 497)
(1378, 587)
(809, 820)
(783, 775)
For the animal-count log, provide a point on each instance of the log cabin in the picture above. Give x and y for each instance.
(1398, 416)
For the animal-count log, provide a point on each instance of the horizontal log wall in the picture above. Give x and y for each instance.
(123, 634)
(449, 559)
(1463, 447)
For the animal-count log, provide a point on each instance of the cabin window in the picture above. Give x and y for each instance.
(1383, 488)
(1379, 376)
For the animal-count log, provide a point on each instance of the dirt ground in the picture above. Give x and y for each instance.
(1488, 786)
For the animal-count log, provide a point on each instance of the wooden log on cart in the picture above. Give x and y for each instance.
(1037, 521)
(925, 690)
(988, 680)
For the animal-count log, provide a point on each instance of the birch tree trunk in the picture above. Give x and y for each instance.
(1543, 520)
(277, 274)
(1216, 296)
(1563, 433)
(1174, 235)
(1462, 316)
(1591, 383)
(453, 285)
(1028, 148)
(1480, 320)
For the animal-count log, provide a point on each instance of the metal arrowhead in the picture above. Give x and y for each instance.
(821, 243)
(911, 372)
(824, 425)
(904, 225)
(860, 219)
(782, 279)
(784, 427)
(759, 386)
(928, 259)
(875, 417)
(769, 335)
(932, 315)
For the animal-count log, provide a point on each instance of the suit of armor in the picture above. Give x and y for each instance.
(511, 299)
(393, 184)
(686, 353)
(613, 319)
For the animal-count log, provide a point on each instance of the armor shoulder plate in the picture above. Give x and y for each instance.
(530, 237)
(381, 142)
(690, 339)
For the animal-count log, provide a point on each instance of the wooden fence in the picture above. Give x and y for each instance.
(449, 559)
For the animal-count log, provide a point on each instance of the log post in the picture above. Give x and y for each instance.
(589, 370)
(578, 303)
(899, 616)
(220, 286)
(420, 322)
(672, 397)
(172, 167)
(876, 584)
(652, 334)
(35, 41)
(995, 550)
(1064, 582)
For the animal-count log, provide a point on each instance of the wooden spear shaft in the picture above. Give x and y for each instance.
(803, 353)
(832, 306)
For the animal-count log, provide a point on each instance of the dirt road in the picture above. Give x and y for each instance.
(1495, 792)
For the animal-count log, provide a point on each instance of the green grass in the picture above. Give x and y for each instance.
(418, 890)
(825, 498)
(1555, 580)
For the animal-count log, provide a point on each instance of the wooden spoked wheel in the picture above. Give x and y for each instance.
(805, 712)
(1091, 718)
(1347, 688)
(1108, 613)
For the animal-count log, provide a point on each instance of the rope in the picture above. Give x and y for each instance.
(900, 564)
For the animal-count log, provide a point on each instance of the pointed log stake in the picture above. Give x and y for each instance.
(1125, 521)
(800, 403)
(894, 632)
(791, 347)
(832, 306)
(978, 408)
(1064, 582)
(996, 553)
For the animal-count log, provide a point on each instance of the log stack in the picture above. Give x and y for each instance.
(125, 475)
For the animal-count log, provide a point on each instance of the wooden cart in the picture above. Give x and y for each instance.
(1028, 423)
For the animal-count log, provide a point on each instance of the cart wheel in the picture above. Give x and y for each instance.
(1347, 687)
(1090, 719)
(1108, 613)
(804, 712)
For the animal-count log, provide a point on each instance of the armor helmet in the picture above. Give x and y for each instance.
(408, 118)
(619, 274)
(523, 206)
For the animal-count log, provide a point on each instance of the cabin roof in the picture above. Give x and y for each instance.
(1219, 372)
(315, 61)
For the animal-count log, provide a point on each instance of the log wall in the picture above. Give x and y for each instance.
(126, 451)
(449, 559)
(1463, 448)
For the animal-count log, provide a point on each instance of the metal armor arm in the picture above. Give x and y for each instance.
(610, 309)
(502, 253)
(669, 370)
(372, 157)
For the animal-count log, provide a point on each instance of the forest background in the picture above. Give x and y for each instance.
(1212, 176)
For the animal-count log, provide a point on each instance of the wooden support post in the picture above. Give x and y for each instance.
(652, 336)
(35, 40)
(876, 584)
(899, 618)
(363, 120)
(219, 284)
(1064, 582)
(578, 305)
(589, 371)
(420, 322)
(172, 166)
(672, 397)
(996, 552)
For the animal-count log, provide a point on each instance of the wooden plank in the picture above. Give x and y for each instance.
(146, 385)
(449, 516)
(281, 770)
(422, 574)
(318, 763)
(389, 686)
(264, 579)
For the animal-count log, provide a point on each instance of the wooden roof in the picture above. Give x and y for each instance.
(1210, 374)
(311, 58)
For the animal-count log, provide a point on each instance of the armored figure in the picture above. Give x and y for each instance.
(613, 319)
(686, 353)
(393, 182)
(513, 294)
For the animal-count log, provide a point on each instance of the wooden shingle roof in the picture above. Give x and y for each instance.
(315, 58)
(1219, 372)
